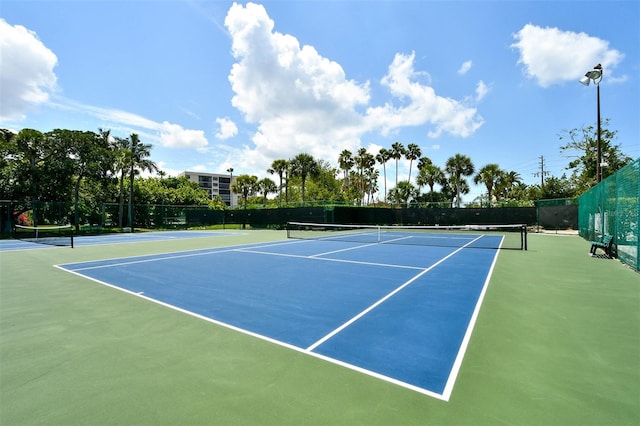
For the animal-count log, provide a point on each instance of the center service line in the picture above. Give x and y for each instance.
(376, 304)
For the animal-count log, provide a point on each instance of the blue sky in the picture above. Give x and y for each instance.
(218, 84)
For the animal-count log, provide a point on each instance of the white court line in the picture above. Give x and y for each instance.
(341, 250)
(308, 351)
(160, 257)
(262, 337)
(382, 300)
(453, 374)
(358, 262)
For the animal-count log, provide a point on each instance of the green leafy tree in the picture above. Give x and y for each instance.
(582, 145)
(172, 191)
(555, 187)
(89, 154)
(36, 168)
(325, 185)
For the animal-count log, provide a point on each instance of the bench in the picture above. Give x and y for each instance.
(606, 245)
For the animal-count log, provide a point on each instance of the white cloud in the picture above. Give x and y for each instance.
(552, 56)
(423, 105)
(162, 165)
(304, 102)
(27, 75)
(464, 68)
(482, 89)
(167, 134)
(175, 136)
(300, 100)
(228, 128)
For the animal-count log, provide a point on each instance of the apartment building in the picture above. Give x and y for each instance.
(215, 184)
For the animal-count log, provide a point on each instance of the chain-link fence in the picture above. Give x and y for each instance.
(612, 208)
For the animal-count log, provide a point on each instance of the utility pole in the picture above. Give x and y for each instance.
(542, 173)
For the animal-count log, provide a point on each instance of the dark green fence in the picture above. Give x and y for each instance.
(612, 208)
(145, 216)
(558, 213)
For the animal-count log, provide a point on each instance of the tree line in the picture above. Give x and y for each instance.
(87, 168)
(356, 179)
(91, 168)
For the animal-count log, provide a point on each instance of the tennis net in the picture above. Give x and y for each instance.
(51, 235)
(512, 237)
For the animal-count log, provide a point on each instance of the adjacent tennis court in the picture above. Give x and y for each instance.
(403, 313)
(31, 239)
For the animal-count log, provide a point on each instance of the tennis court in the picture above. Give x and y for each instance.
(254, 328)
(399, 312)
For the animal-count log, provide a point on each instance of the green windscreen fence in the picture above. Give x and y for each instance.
(612, 208)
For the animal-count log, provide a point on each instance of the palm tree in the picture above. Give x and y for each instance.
(458, 166)
(397, 151)
(507, 183)
(279, 167)
(139, 161)
(424, 162)
(266, 186)
(304, 165)
(430, 174)
(489, 175)
(413, 152)
(403, 192)
(120, 149)
(346, 162)
(383, 156)
(369, 173)
(453, 187)
(361, 163)
(372, 176)
(245, 185)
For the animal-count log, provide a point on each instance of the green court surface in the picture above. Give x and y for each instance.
(557, 342)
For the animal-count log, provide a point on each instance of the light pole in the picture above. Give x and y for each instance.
(230, 171)
(595, 75)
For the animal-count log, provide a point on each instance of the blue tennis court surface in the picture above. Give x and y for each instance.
(399, 313)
